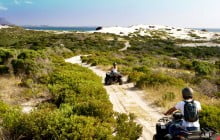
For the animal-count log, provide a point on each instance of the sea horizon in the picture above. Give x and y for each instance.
(61, 28)
(88, 28)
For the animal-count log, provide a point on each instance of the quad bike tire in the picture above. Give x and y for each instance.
(108, 81)
(120, 82)
(156, 137)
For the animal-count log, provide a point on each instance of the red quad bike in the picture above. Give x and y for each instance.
(112, 78)
(165, 124)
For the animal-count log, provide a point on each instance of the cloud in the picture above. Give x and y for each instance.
(17, 2)
(3, 8)
(28, 2)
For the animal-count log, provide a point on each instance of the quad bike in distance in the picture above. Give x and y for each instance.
(113, 78)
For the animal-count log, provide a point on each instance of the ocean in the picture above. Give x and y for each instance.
(209, 29)
(82, 29)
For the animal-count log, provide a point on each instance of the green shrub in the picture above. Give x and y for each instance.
(186, 64)
(54, 125)
(210, 117)
(143, 69)
(217, 63)
(156, 79)
(28, 54)
(94, 108)
(169, 96)
(3, 109)
(84, 59)
(135, 76)
(11, 119)
(4, 69)
(5, 54)
(202, 68)
(27, 83)
(217, 94)
(126, 127)
(194, 35)
(27, 67)
(29, 63)
(61, 124)
(137, 73)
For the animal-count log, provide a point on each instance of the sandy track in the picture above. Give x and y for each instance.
(127, 99)
(127, 45)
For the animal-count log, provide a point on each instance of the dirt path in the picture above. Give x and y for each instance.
(127, 45)
(127, 99)
(13, 94)
(32, 104)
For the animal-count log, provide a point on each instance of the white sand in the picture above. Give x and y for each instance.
(127, 45)
(145, 30)
(207, 44)
(30, 105)
(2, 27)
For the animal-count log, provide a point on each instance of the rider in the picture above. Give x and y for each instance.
(187, 94)
(114, 69)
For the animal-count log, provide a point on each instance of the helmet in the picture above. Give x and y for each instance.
(114, 64)
(187, 92)
(177, 116)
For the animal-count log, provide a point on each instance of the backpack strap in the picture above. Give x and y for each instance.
(188, 102)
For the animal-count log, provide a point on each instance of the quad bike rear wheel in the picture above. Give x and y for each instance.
(120, 81)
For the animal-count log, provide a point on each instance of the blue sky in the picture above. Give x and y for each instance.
(182, 13)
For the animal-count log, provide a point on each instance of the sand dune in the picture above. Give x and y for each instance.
(146, 30)
(2, 27)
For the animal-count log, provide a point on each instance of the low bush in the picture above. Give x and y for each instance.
(93, 108)
(135, 76)
(169, 96)
(29, 54)
(137, 73)
(4, 69)
(202, 68)
(54, 125)
(5, 54)
(126, 127)
(26, 67)
(210, 117)
(156, 79)
(217, 94)
(31, 64)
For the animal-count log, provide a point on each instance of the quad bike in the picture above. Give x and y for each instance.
(164, 124)
(112, 78)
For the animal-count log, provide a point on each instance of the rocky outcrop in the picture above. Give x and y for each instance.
(98, 28)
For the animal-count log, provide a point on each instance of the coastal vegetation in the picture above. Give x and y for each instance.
(163, 69)
(77, 105)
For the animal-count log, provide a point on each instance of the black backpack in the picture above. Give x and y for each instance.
(190, 111)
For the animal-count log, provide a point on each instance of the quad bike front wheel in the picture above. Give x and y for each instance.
(155, 137)
(120, 82)
(108, 81)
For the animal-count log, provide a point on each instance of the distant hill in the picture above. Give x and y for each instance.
(3, 21)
